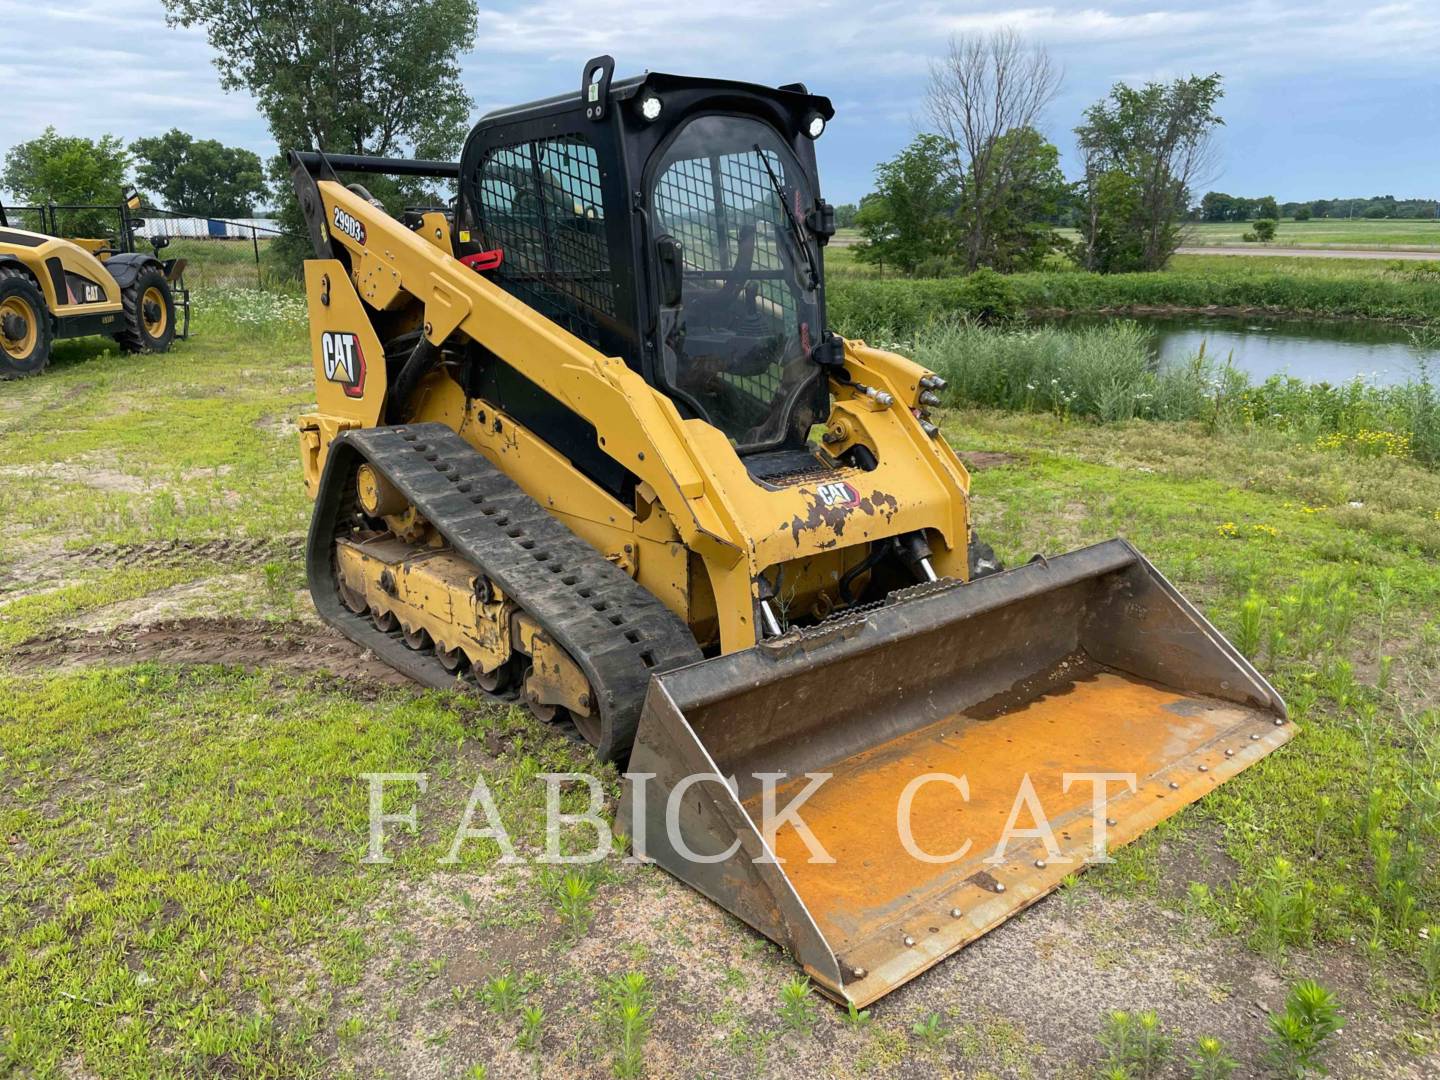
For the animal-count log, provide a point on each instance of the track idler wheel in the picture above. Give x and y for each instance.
(452, 660)
(353, 600)
(498, 680)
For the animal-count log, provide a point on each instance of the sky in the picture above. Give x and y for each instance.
(1324, 98)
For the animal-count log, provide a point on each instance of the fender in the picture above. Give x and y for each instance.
(126, 268)
(11, 262)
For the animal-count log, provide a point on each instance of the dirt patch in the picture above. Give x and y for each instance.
(242, 642)
(1196, 856)
(1027, 1000)
(101, 479)
(980, 460)
(281, 427)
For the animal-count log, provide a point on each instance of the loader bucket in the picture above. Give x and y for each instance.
(1089, 663)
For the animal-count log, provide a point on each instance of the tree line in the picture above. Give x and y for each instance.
(200, 177)
(983, 187)
(1218, 206)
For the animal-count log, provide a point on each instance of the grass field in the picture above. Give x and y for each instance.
(183, 811)
(1381, 234)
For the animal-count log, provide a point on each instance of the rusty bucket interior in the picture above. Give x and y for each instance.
(1084, 687)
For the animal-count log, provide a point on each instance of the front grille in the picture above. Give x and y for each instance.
(787, 468)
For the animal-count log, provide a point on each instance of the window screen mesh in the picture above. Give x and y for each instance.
(718, 206)
(541, 203)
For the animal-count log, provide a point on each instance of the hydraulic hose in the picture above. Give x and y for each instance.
(878, 551)
(422, 358)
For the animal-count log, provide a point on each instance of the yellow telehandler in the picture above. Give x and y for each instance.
(584, 440)
(53, 288)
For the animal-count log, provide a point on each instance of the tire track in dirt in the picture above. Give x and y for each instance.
(238, 642)
(49, 566)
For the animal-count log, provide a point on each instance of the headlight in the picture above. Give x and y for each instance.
(816, 126)
(650, 107)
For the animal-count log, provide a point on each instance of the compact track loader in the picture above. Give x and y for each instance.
(53, 288)
(583, 439)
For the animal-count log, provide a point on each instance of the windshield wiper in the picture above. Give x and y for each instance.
(796, 233)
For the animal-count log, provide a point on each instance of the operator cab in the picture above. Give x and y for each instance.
(673, 222)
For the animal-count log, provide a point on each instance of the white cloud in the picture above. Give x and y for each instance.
(870, 57)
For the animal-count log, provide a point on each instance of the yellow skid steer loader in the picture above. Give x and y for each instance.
(584, 440)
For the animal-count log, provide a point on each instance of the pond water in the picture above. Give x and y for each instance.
(1310, 349)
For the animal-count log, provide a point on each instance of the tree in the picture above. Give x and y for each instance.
(1266, 207)
(200, 177)
(1030, 190)
(347, 76)
(1217, 206)
(908, 217)
(1302, 213)
(845, 215)
(69, 170)
(984, 89)
(1158, 138)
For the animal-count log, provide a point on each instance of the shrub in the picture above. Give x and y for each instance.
(1264, 230)
(870, 307)
(1211, 1062)
(797, 1004)
(1299, 1034)
(1135, 1043)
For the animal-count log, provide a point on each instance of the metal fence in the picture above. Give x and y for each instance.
(135, 229)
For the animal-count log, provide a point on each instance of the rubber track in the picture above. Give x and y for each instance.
(617, 632)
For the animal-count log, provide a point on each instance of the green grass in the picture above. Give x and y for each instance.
(191, 444)
(180, 845)
(1323, 234)
(189, 850)
(1374, 235)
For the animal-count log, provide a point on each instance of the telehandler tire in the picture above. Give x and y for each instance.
(25, 330)
(149, 314)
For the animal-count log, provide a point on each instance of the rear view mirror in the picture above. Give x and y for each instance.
(669, 257)
(158, 242)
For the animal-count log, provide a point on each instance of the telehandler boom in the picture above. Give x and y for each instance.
(583, 439)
